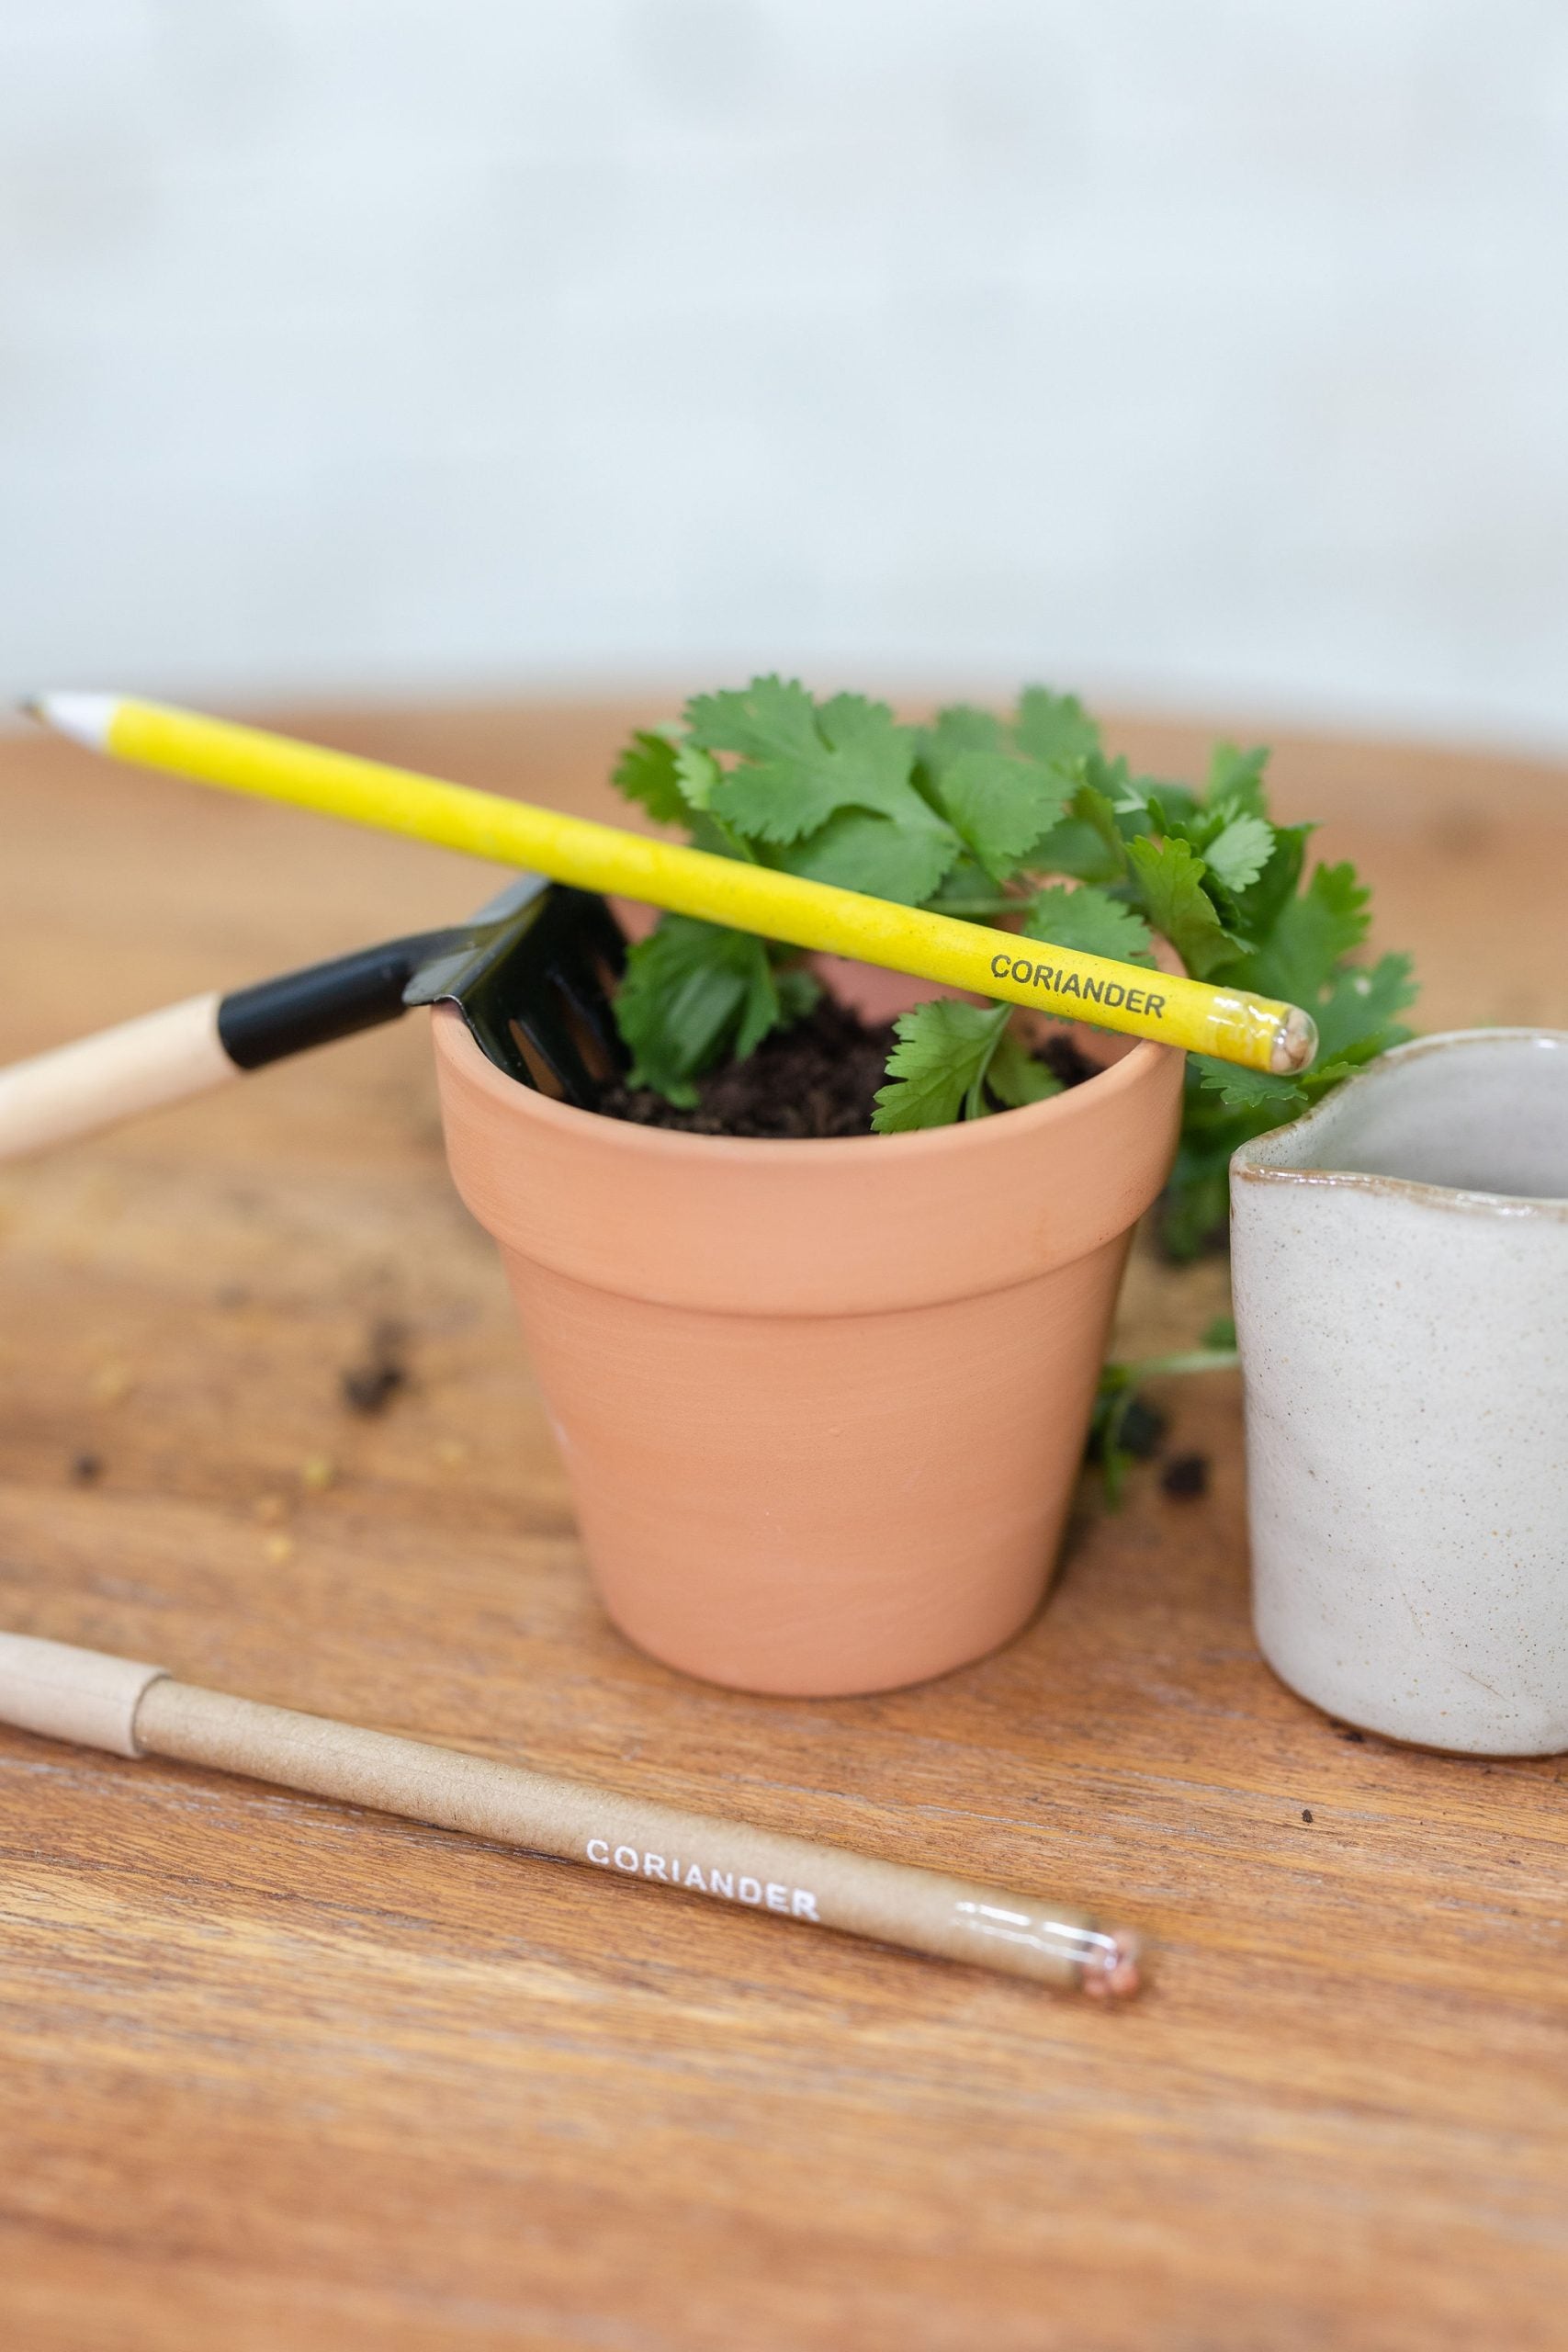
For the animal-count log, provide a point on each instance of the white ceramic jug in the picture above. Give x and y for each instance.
(1400, 1257)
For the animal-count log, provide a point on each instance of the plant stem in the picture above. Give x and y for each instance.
(1189, 1360)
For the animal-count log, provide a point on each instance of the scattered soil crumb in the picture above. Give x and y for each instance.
(86, 1469)
(1187, 1478)
(368, 1386)
(1347, 1731)
(818, 1079)
(1306, 1813)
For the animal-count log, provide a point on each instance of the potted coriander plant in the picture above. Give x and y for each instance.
(818, 1301)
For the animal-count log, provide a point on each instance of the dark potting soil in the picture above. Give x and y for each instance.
(818, 1079)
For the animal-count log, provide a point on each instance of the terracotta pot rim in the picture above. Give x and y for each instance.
(846, 1225)
(756, 1152)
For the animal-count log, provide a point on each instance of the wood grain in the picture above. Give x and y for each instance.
(273, 2073)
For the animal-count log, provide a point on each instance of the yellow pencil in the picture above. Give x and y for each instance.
(1258, 1032)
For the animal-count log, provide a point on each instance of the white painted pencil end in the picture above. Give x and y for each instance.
(87, 719)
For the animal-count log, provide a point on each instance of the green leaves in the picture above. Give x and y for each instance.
(987, 817)
(1000, 797)
(1014, 1076)
(1169, 878)
(822, 789)
(1090, 920)
(1235, 780)
(1239, 852)
(1311, 935)
(1000, 807)
(1357, 1014)
(645, 772)
(949, 1057)
(672, 780)
(1251, 1090)
(1357, 1009)
(693, 992)
(801, 762)
(1054, 726)
(856, 851)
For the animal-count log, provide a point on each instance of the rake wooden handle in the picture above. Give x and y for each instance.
(138, 1066)
(133, 1709)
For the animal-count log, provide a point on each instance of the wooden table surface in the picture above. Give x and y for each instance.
(273, 2075)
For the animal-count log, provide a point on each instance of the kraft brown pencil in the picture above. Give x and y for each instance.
(132, 1709)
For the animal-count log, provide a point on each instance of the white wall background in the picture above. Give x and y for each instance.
(1186, 350)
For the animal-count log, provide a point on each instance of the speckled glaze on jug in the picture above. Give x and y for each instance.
(821, 1403)
(1399, 1260)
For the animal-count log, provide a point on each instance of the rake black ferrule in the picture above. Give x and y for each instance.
(311, 1007)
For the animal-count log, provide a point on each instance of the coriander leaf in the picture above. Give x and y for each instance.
(1171, 883)
(1257, 907)
(1103, 815)
(1054, 726)
(1129, 794)
(773, 718)
(1323, 1076)
(1235, 779)
(1171, 808)
(1136, 803)
(1014, 1076)
(1095, 803)
(697, 773)
(1357, 1018)
(1238, 853)
(859, 852)
(1000, 807)
(950, 1058)
(690, 990)
(942, 1052)
(801, 764)
(1091, 921)
(959, 728)
(1251, 1090)
(647, 772)
(1310, 934)
(868, 731)
(1078, 847)
(1097, 850)
(967, 889)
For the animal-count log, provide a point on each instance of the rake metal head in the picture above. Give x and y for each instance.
(533, 980)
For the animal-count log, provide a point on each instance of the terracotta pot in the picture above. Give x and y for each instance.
(821, 1405)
